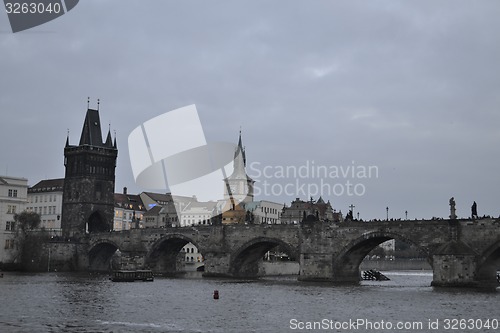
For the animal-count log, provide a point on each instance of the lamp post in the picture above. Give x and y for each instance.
(387, 213)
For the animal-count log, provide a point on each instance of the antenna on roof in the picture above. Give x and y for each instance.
(88, 102)
(98, 102)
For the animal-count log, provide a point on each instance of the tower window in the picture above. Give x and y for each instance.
(98, 191)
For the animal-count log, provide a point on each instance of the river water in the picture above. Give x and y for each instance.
(69, 302)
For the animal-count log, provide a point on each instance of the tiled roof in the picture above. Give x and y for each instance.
(47, 185)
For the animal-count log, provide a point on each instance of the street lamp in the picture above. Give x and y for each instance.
(387, 213)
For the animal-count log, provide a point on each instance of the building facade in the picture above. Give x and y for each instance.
(164, 211)
(198, 213)
(13, 200)
(265, 212)
(89, 181)
(192, 257)
(299, 209)
(45, 198)
(129, 211)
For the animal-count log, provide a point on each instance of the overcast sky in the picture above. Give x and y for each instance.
(410, 87)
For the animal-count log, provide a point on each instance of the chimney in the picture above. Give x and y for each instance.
(125, 190)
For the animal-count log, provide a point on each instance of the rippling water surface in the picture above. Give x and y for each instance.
(66, 302)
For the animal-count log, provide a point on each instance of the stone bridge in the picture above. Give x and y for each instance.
(461, 252)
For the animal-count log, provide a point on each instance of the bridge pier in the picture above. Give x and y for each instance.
(454, 270)
(217, 264)
(132, 260)
(316, 267)
(454, 265)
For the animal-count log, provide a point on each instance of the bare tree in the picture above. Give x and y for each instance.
(25, 222)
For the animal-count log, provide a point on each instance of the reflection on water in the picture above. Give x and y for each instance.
(66, 302)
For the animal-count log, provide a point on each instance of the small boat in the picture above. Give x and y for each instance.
(131, 276)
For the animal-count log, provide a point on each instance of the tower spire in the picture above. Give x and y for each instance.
(109, 141)
(67, 139)
(239, 140)
(240, 150)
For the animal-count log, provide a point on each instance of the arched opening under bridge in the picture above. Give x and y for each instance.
(365, 253)
(253, 258)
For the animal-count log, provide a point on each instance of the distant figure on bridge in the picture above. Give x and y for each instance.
(452, 209)
(474, 210)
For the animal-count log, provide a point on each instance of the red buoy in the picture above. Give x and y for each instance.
(216, 294)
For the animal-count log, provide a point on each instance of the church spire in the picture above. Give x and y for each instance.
(240, 150)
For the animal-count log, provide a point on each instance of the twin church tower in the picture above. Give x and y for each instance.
(89, 182)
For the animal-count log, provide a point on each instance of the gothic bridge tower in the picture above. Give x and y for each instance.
(89, 182)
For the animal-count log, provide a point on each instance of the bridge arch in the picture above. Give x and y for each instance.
(346, 263)
(100, 255)
(487, 266)
(245, 260)
(164, 254)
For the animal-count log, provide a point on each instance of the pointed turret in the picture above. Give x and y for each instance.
(109, 140)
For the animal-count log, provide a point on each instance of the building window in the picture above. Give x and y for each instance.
(9, 244)
(10, 225)
(11, 209)
(12, 193)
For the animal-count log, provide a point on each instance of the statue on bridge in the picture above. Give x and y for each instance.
(474, 210)
(453, 216)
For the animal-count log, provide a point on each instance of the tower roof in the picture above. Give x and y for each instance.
(240, 150)
(240, 162)
(91, 132)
